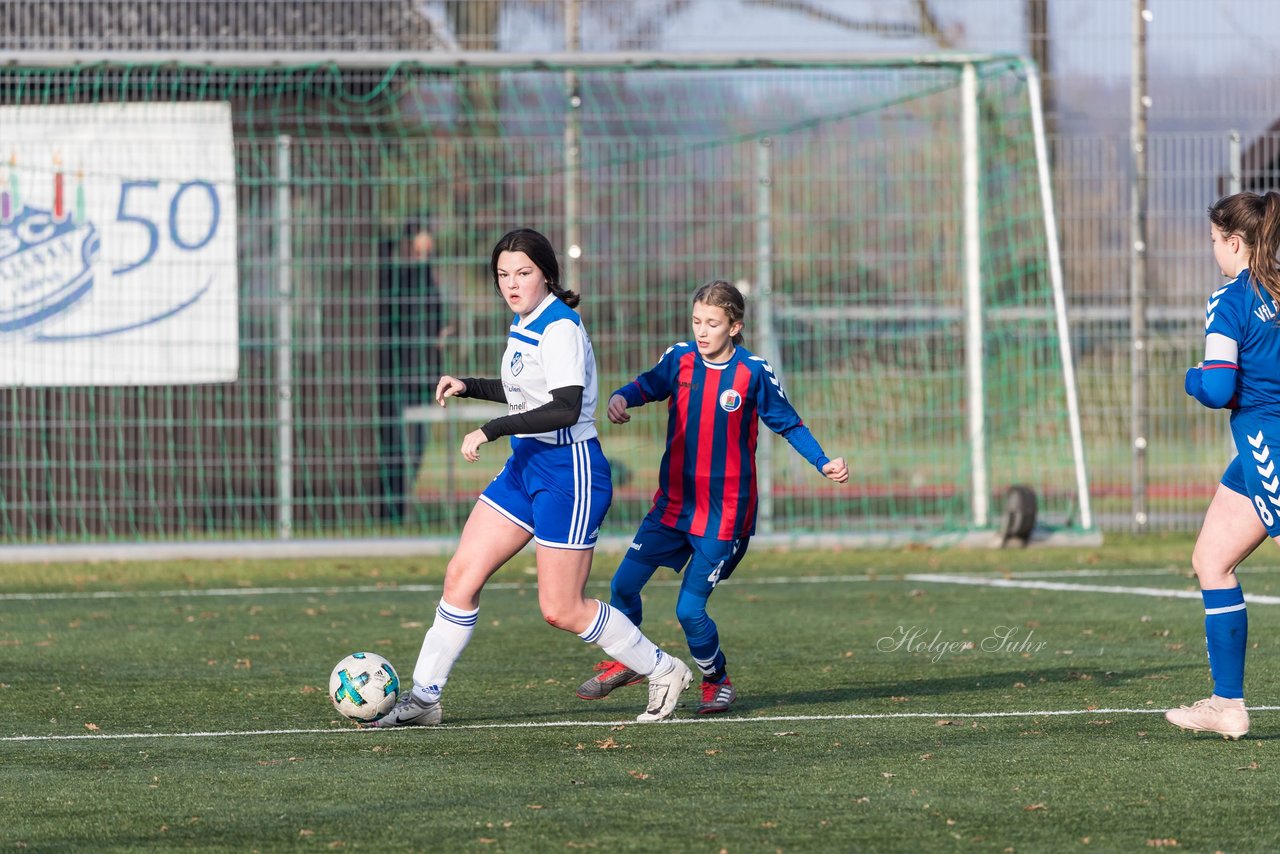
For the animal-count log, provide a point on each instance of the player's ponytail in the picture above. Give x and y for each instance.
(1263, 263)
(720, 294)
(1255, 219)
(541, 253)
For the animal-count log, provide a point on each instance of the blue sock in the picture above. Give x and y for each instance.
(624, 591)
(1226, 632)
(701, 633)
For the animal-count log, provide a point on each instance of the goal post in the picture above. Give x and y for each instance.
(226, 348)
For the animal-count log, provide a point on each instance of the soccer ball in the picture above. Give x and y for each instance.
(364, 686)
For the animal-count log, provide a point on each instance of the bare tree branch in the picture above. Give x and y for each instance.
(929, 26)
(805, 7)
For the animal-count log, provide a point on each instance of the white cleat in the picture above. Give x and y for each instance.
(1227, 718)
(410, 711)
(664, 691)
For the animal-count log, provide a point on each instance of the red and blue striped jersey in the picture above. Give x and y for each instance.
(707, 480)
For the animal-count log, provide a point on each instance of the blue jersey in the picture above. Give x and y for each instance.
(1242, 334)
(707, 478)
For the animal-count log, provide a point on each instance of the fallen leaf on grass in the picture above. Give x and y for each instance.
(607, 744)
(91, 727)
(1252, 766)
(945, 722)
(782, 734)
(1034, 807)
(639, 775)
(1162, 843)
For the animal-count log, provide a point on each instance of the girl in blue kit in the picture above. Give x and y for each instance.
(1240, 372)
(554, 489)
(704, 512)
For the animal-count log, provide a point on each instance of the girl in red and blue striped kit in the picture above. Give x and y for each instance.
(704, 512)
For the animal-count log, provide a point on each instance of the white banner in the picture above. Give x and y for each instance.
(117, 245)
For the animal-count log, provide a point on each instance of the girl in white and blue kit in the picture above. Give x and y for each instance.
(554, 489)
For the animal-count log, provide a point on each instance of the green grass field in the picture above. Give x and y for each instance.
(157, 706)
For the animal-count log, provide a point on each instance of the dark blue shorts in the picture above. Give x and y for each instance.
(558, 493)
(1255, 472)
(656, 544)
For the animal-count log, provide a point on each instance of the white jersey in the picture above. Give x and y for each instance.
(549, 349)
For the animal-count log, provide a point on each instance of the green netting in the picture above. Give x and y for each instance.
(832, 194)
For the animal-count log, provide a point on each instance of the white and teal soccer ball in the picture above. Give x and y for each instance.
(364, 686)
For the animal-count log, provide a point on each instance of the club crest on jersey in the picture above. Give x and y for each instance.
(517, 364)
(730, 400)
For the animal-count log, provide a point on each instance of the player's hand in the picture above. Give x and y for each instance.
(618, 409)
(471, 445)
(837, 470)
(449, 387)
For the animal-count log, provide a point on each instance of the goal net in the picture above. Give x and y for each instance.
(214, 327)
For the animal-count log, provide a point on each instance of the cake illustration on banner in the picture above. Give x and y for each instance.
(47, 256)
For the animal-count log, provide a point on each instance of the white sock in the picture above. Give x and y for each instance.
(445, 641)
(623, 641)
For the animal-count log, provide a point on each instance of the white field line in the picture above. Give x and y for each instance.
(1256, 599)
(519, 585)
(705, 721)
(359, 588)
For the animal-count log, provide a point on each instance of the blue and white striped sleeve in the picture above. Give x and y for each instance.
(1213, 381)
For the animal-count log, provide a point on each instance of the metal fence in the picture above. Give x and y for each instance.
(848, 197)
(1230, 86)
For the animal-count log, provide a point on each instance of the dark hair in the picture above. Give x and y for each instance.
(541, 253)
(720, 294)
(1255, 219)
(412, 226)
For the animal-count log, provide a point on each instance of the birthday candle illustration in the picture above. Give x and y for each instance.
(15, 202)
(80, 203)
(59, 202)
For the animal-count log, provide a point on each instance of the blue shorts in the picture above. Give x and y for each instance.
(558, 493)
(1255, 472)
(656, 544)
